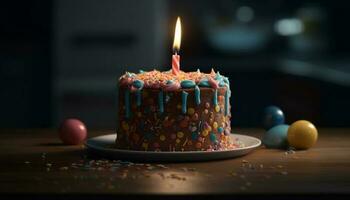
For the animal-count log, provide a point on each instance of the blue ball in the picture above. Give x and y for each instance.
(276, 137)
(273, 116)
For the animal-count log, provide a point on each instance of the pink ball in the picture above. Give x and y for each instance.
(72, 132)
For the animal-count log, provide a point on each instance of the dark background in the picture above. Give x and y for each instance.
(62, 58)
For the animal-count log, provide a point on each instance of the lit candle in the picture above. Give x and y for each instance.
(176, 47)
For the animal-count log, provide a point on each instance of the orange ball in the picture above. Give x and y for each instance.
(302, 134)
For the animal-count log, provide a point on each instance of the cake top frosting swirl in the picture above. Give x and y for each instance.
(167, 81)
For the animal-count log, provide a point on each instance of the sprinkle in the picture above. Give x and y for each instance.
(162, 137)
(212, 137)
(195, 117)
(125, 126)
(191, 111)
(145, 146)
(193, 128)
(207, 105)
(180, 134)
(162, 166)
(220, 129)
(184, 144)
(217, 108)
(205, 133)
(63, 168)
(284, 173)
(215, 125)
(194, 136)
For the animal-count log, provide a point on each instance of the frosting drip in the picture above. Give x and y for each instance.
(215, 97)
(184, 102)
(138, 97)
(197, 95)
(161, 101)
(127, 103)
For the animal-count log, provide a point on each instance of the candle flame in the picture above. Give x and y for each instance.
(177, 37)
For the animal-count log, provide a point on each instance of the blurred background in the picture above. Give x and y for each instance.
(62, 58)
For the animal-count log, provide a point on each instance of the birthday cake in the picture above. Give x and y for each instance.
(160, 111)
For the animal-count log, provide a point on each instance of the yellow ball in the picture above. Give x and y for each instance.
(302, 134)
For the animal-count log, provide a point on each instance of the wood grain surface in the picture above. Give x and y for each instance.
(35, 162)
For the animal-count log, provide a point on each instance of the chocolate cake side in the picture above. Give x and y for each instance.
(155, 120)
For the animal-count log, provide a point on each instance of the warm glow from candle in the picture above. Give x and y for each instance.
(177, 37)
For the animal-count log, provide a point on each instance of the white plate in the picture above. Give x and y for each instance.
(102, 146)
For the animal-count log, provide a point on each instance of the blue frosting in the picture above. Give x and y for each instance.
(138, 84)
(184, 102)
(141, 71)
(226, 80)
(138, 97)
(215, 98)
(127, 103)
(227, 99)
(197, 95)
(187, 84)
(218, 77)
(222, 83)
(161, 101)
(204, 83)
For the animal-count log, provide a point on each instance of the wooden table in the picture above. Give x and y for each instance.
(34, 162)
